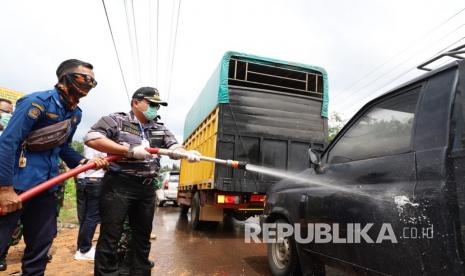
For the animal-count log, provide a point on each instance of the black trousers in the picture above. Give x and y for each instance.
(39, 218)
(88, 200)
(124, 196)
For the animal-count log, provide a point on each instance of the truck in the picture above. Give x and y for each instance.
(396, 168)
(254, 109)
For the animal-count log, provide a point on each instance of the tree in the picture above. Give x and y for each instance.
(335, 125)
(165, 168)
(78, 146)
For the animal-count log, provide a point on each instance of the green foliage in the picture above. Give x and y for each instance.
(335, 125)
(168, 168)
(68, 213)
(165, 168)
(78, 146)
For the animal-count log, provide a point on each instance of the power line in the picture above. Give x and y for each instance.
(137, 44)
(403, 50)
(403, 62)
(151, 61)
(131, 42)
(405, 72)
(156, 53)
(174, 52)
(116, 50)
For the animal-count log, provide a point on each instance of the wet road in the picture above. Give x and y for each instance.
(220, 251)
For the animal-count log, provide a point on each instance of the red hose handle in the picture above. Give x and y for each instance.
(62, 177)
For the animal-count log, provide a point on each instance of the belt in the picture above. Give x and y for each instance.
(94, 178)
(141, 179)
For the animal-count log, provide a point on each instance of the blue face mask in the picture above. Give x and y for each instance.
(4, 119)
(150, 113)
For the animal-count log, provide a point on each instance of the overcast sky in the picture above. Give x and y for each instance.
(347, 38)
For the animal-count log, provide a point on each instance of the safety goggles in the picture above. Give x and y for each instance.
(84, 79)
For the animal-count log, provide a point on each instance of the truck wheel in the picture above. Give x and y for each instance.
(184, 209)
(282, 256)
(195, 212)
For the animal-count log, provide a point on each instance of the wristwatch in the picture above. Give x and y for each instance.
(130, 153)
(84, 161)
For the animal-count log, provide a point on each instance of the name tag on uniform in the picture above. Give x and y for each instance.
(157, 133)
(131, 128)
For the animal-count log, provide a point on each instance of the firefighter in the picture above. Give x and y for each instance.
(39, 132)
(127, 186)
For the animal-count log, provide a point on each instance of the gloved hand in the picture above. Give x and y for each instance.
(9, 200)
(4, 119)
(193, 156)
(138, 152)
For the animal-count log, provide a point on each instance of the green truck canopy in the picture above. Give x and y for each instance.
(216, 90)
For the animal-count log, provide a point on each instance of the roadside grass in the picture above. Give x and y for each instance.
(68, 213)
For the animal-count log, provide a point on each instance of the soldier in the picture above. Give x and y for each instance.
(39, 132)
(127, 186)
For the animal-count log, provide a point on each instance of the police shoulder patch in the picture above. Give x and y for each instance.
(33, 113)
(39, 106)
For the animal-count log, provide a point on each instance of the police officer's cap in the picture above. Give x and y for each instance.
(150, 94)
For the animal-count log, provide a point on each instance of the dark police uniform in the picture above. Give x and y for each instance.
(38, 215)
(127, 191)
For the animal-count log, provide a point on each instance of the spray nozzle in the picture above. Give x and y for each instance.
(236, 164)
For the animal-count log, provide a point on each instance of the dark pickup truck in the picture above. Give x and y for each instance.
(397, 166)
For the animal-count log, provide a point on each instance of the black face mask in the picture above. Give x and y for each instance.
(72, 87)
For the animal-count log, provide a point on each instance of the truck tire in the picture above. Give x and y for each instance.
(282, 256)
(195, 212)
(184, 209)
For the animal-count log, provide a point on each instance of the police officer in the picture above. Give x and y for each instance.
(24, 167)
(127, 187)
